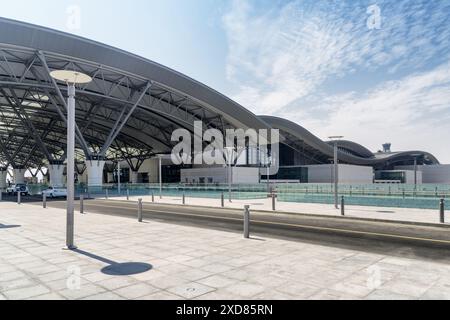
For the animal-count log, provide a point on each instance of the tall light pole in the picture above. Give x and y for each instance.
(230, 174)
(336, 170)
(160, 176)
(71, 78)
(415, 170)
(118, 177)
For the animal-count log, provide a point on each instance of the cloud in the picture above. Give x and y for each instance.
(286, 60)
(413, 113)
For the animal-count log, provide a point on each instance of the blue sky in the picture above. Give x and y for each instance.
(314, 62)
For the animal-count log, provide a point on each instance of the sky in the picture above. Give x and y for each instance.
(373, 71)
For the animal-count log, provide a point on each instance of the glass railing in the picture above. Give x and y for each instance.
(407, 196)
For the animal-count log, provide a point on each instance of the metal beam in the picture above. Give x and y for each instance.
(120, 123)
(26, 121)
(63, 100)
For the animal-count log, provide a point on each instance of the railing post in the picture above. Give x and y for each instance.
(44, 200)
(342, 206)
(19, 197)
(222, 198)
(247, 222)
(140, 210)
(442, 210)
(273, 202)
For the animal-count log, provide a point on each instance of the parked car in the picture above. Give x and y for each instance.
(55, 192)
(16, 188)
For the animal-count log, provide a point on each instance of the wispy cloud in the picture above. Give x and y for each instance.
(413, 113)
(282, 61)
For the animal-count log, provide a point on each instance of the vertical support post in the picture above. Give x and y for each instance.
(153, 197)
(442, 210)
(1, 194)
(160, 177)
(19, 197)
(70, 167)
(106, 194)
(230, 181)
(184, 198)
(273, 202)
(415, 174)
(82, 204)
(247, 222)
(222, 198)
(119, 187)
(140, 210)
(342, 206)
(44, 200)
(128, 194)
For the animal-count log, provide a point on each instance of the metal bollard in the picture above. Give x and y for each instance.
(140, 210)
(44, 200)
(273, 202)
(19, 197)
(1, 195)
(153, 197)
(106, 194)
(82, 204)
(222, 198)
(342, 206)
(247, 222)
(184, 198)
(128, 195)
(442, 210)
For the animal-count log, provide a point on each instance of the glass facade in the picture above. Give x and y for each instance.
(290, 173)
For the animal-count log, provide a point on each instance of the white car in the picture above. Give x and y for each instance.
(16, 188)
(54, 192)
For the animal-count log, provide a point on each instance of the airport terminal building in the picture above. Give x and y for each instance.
(128, 113)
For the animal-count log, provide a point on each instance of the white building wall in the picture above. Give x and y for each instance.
(151, 167)
(220, 175)
(348, 174)
(432, 174)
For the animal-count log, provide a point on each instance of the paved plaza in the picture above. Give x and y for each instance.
(426, 216)
(186, 262)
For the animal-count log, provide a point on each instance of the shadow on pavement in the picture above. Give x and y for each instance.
(118, 269)
(3, 226)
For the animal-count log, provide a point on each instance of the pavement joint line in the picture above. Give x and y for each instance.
(338, 217)
(385, 235)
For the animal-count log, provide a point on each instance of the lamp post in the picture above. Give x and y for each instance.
(160, 176)
(415, 169)
(336, 170)
(230, 174)
(118, 177)
(71, 78)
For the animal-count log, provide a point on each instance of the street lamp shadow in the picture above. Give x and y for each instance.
(116, 268)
